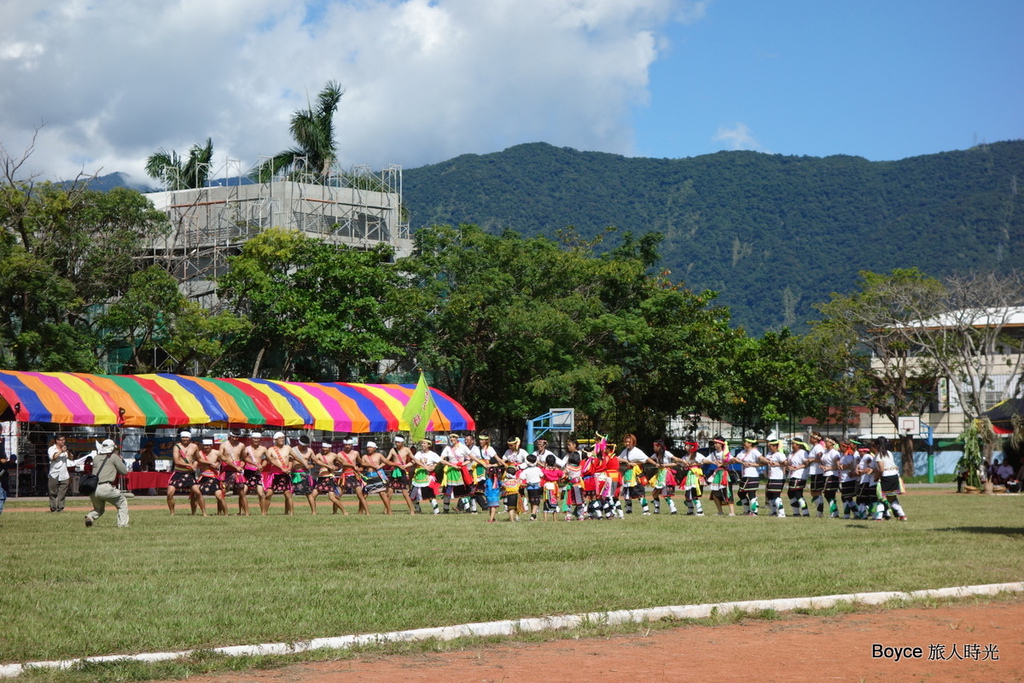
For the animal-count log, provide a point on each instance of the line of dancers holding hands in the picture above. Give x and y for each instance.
(602, 483)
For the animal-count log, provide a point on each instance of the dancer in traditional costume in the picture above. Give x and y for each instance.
(815, 473)
(718, 477)
(552, 476)
(375, 476)
(752, 459)
(693, 480)
(797, 467)
(277, 474)
(323, 464)
(830, 470)
(776, 478)
(183, 478)
(573, 482)
(232, 462)
(253, 456)
(867, 496)
(848, 478)
(425, 460)
(302, 482)
(350, 481)
(209, 483)
(453, 483)
(633, 459)
(889, 473)
(399, 462)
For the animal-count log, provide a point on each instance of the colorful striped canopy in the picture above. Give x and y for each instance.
(161, 400)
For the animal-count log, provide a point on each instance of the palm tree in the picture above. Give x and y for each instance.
(180, 173)
(313, 131)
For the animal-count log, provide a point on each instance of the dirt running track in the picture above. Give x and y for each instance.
(795, 648)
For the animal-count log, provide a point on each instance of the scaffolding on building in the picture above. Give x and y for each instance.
(358, 207)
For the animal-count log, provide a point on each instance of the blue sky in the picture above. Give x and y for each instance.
(882, 80)
(426, 80)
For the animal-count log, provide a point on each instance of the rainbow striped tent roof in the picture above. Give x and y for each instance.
(161, 400)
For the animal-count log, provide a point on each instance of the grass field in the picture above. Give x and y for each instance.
(169, 583)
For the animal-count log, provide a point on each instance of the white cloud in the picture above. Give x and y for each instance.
(425, 79)
(738, 136)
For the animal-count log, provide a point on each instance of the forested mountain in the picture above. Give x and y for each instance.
(773, 234)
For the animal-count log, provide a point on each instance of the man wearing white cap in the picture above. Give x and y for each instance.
(399, 462)
(209, 483)
(231, 456)
(375, 476)
(107, 466)
(349, 463)
(302, 485)
(279, 471)
(323, 463)
(183, 478)
(252, 466)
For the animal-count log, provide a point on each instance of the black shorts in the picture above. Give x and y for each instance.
(533, 496)
(633, 492)
(866, 493)
(325, 485)
(182, 481)
(304, 485)
(796, 487)
(422, 493)
(348, 483)
(749, 485)
(281, 483)
(209, 486)
(253, 479)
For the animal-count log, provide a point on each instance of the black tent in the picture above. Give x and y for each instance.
(1001, 415)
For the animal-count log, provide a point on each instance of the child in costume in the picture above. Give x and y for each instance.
(552, 475)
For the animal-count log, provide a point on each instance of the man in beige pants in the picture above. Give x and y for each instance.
(110, 465)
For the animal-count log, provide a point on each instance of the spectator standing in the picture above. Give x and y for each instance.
(60, 477)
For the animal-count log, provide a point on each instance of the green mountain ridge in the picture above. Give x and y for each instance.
(772, 234)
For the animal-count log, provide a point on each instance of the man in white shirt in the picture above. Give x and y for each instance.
(60, 478)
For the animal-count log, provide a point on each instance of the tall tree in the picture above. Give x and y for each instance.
(64, 252)
(513, 326)
(312, 129)
(182, 173)
(963, 330)
(161, 330)
(319, 311)
(870, 327)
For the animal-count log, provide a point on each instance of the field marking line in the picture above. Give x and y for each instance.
(510, 627)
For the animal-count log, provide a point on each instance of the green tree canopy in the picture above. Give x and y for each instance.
(318, 310)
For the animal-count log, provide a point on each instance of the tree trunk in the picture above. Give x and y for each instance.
(907, 451)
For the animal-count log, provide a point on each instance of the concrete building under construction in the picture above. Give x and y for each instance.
(359, 208)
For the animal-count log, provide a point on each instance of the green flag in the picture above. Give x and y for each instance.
(418, 411)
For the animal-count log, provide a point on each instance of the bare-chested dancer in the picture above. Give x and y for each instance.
(324, 466)
(278, 472)
(399, 463)
(375, 476)
(351, 465)
(255, 458)
(232, 463)
(208, 464)
(184, 476)
(301, 458)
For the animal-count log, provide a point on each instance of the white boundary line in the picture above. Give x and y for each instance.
(513, 626)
